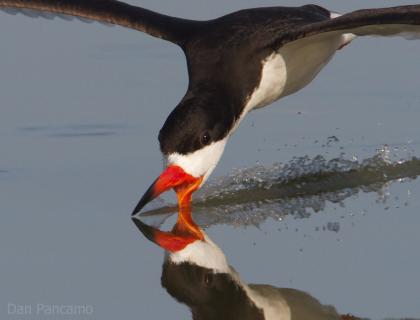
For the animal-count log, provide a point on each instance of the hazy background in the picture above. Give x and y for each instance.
(81, 106)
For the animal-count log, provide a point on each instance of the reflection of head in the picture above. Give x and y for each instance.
(196, 272)
(209, 295)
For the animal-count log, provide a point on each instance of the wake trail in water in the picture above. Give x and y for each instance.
(304, 185)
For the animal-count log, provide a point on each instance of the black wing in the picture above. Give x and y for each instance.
(403, 21)
(158, 25)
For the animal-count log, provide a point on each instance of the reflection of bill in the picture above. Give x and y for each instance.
(196, 272)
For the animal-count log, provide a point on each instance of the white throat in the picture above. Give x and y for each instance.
(199, 163)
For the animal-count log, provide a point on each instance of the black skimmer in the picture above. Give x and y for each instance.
(236, 63)
(196, 272)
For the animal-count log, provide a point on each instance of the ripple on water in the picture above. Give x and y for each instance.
(74, 131)
(299, 188)
(4, 174)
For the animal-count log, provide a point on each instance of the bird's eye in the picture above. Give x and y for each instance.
(208, 279)
(205, 138)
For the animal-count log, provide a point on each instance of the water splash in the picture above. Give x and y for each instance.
(298, 173)
(301, 187)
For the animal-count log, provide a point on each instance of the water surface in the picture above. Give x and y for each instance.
(81, 108)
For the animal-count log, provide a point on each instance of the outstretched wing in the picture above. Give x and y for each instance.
(158, 25)
(396, 21)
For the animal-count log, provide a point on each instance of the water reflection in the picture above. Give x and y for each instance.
(299, 188)
(196, 273)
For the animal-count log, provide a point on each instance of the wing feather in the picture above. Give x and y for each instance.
(395, 21)
(115, 12)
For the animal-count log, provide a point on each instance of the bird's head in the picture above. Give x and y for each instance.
(192, 140)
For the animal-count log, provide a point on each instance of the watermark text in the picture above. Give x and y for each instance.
(44, 309)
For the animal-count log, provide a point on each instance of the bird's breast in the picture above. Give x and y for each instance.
(293, 67)
(272, 82)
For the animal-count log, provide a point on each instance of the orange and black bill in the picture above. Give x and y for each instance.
(174, 177)
(181, 235)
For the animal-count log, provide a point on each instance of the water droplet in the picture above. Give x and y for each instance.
(333, 226)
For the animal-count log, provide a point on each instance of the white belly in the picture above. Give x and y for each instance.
(294, 66)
